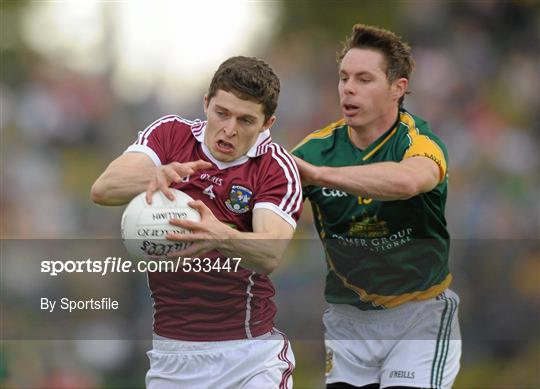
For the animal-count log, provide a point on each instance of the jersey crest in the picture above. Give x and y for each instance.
(239, 197)
(368, 227)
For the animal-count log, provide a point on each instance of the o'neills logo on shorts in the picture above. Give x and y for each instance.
(402, 374)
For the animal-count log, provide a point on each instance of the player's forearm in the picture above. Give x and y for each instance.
(380, 181)
(258, 251)
(117, 186)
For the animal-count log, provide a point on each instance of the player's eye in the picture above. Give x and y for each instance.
(221, 114)
(247, 122)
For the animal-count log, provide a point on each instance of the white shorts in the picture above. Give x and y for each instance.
(263, 362)
(417, 344)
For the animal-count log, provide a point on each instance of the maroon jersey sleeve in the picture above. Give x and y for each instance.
(279, 188)
(162, 138)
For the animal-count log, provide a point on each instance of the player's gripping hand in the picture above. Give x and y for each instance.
(172, 172)
(207, 235)
(309, 174)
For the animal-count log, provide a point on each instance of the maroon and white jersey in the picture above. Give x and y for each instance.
(225, 305)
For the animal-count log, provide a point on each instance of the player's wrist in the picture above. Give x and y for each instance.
(321, 175)
(227, 238)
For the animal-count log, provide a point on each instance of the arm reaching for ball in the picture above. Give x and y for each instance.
(260, 250)
(133, 173)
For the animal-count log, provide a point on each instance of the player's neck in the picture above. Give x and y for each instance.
(363, 136)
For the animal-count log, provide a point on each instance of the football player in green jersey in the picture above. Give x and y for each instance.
(377, 183)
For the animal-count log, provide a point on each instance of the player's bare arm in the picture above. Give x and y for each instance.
(260, 250)
(379, 181)
(133, 173)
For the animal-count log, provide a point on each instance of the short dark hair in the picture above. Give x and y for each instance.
(396, 52)
(248, 78)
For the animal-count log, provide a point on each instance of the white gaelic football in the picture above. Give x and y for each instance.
(145, 226)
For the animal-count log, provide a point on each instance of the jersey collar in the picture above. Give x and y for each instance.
(379, 142)
(258, 148)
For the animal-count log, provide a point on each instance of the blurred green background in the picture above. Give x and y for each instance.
(79, 79)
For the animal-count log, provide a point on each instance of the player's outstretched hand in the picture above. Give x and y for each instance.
(308, 172)
(206, 235)
(172, 172)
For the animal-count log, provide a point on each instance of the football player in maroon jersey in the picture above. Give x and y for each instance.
(213, 325)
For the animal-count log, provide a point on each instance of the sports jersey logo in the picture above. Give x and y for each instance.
(368, 227)
(238, 201)
(327, 192)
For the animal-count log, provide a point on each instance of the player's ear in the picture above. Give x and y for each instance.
(206, 101)
(399, 87)
(269, 123)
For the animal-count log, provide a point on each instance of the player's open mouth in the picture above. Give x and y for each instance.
(225, 147)
(350, 109)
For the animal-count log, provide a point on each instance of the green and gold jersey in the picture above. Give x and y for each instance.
(380, 254)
